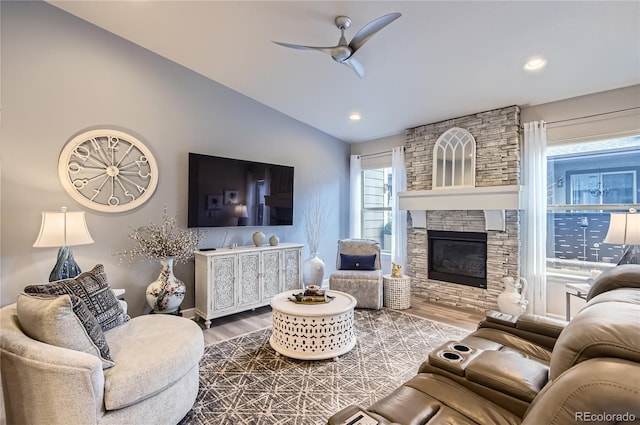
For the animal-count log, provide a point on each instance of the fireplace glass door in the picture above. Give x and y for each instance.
(458, 257)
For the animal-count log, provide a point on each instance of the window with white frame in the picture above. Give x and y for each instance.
(376, 206)
(586, 183)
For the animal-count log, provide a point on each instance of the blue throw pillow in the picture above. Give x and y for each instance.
(357, 262)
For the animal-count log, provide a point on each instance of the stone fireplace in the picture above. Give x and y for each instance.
(458, 257)
(497, 171)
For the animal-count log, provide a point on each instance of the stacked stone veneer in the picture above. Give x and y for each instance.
(497, 138)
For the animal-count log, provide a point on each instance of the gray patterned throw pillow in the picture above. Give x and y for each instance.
(93, 289)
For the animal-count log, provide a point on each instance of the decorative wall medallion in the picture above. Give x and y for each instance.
(108, 170)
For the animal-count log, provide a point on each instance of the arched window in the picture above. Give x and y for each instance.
(454, 159)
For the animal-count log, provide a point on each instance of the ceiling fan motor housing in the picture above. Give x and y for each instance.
(343, 22)
(341, 53)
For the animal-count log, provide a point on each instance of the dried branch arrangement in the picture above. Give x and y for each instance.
(315, 222)
(164, 240)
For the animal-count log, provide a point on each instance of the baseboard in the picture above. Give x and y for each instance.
(189, 313)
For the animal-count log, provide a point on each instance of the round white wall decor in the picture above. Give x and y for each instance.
(108, 170)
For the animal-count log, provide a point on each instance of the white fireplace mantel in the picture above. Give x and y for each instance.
(465, 198)
(493, 200)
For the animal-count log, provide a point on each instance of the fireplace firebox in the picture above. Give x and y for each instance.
(458, 257)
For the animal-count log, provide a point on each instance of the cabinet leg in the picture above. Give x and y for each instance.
(207, 324)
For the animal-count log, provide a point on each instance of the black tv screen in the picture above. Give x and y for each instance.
(226, 192)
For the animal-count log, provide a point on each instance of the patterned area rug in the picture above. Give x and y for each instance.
(243, 381)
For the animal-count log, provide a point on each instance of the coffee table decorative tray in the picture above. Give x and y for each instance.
(310, 299)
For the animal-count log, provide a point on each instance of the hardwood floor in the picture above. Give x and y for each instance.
(260, 318)
(236, 324)
(461, 318)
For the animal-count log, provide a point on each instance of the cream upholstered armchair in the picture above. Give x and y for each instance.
(358, 271)
(61, 364)
(154, 379)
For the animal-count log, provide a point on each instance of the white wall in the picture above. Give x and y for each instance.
(61, 75)
(384, 144)
(594, 120)
(588, 128)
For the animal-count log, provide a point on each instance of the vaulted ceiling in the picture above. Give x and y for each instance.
(441, 59)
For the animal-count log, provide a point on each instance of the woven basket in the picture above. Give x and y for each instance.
(397, 292)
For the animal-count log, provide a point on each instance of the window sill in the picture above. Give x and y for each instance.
(576, 269)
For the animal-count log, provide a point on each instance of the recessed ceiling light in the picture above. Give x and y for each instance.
(355, 116)
(535, 64)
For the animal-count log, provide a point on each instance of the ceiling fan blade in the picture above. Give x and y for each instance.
(327, 50)
(355, 65)
(371, 29)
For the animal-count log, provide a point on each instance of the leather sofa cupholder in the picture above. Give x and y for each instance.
(451, 356)
(461, 348)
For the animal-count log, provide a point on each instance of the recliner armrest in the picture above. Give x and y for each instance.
(540, 330)
(541, 325)
(501, 318)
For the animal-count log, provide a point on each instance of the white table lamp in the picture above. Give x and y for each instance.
(63, 229)
(242, 214)
(624, 229)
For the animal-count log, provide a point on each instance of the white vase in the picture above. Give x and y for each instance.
(313, 270)
(274, 240)
(511, 300)
(258, 238)
(165, 294)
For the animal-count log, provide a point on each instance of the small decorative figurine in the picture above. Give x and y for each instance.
(395, 270)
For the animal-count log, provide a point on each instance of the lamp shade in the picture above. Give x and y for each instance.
(624, 229)
(241, 211)
(63, 228)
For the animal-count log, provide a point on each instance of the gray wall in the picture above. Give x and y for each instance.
(61, 76)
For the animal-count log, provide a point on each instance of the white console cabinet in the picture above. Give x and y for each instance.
(231, 280)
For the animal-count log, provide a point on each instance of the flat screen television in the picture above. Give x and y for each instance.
(226, 192)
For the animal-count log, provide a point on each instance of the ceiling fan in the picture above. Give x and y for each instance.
(343, 52)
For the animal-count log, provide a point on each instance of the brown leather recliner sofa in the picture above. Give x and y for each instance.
(530, 369)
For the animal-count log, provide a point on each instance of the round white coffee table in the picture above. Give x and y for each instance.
(313, 331)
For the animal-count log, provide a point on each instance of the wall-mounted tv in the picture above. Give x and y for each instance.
(226, 192)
